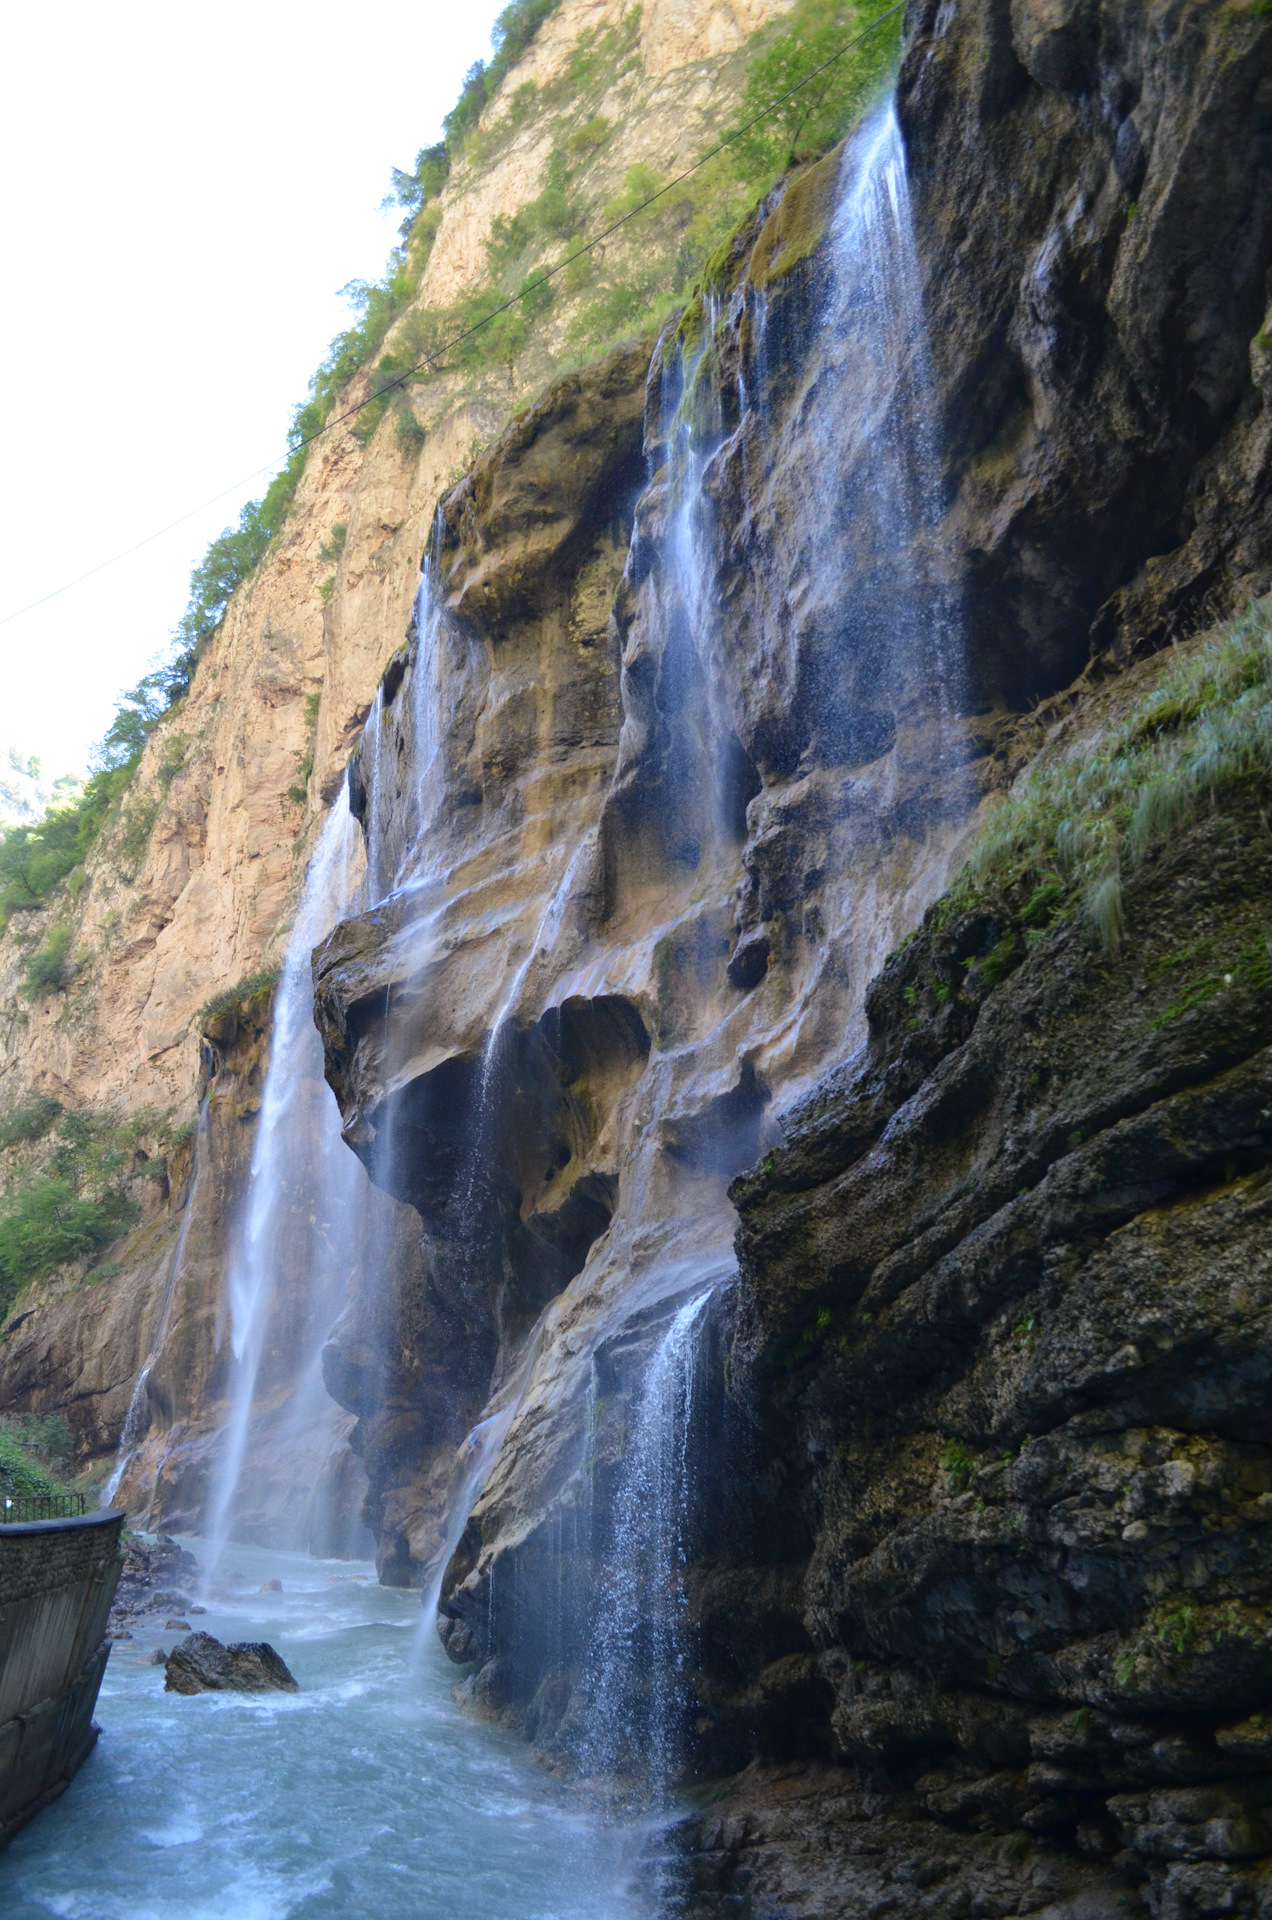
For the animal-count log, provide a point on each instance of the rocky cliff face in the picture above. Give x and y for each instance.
(939, 1488)
(973, 1474)
(194, 883)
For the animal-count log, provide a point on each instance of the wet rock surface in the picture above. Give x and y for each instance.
(201, 1664)
(1003, 1331)
(977, 1578)
(148, 1581)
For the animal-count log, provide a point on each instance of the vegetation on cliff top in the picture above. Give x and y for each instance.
(29, 1446)
(694, 221)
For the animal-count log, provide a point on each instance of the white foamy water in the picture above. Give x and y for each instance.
(367, 1795)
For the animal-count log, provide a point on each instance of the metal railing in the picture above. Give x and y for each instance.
(42, 1506)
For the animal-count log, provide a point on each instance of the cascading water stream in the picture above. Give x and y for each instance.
(306, 1190)
(876, 472)
(881, 466)
(639, 1644)
(137, 1419)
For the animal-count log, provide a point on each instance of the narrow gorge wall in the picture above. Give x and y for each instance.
(195, 881)
(969, 1462)
(922, 1508)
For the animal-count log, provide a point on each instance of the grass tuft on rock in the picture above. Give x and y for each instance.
(1079, 821)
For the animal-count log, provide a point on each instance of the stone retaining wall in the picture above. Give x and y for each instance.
(57, 1581)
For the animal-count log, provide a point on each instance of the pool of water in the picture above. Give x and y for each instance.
(368, 1794)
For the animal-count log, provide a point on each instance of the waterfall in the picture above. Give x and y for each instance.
(880, 467)
(636, 1662)
(137, 1419)
(305, 1199)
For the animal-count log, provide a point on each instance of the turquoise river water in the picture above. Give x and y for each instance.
(368, 1794)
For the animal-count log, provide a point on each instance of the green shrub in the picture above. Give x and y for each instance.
(409, 434)
(48, 1222)
(29, 1120)
(21, 1475)
(959, 1466)
(134, 835)
(332, 548)
(245, 989)
(44, 1438)
(49, 967)
(552, 215)
(592, 134)
(172, 760)
(823, 111)
(639, 183)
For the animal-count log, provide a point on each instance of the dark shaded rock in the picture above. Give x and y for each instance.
(748, 962)
(201, 1664)
(147, 1576)
(1005, 1332)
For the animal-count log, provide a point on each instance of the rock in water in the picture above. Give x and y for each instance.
(200, 1664)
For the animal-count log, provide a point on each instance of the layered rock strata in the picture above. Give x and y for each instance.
(194, 881)
(1003, 1338)
(840, 830)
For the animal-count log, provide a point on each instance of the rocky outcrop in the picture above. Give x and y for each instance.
(976, 1589)
(201, 1664)
(1094, 200)
(194, 881)
(780, 810)
(1004, 1343)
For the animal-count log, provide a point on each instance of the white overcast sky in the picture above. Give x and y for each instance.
(185, 189)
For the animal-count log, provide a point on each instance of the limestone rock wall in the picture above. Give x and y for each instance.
(758, 949)
(193, 884)
(1002, 1339)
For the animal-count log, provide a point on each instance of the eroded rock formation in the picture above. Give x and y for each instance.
(976, 1592)
(193, 885)
(688, 732)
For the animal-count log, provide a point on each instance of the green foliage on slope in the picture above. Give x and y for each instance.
(68, 1191)
(48, 1222)
(22, 1476)
(28, 1120)
(629, 295)
(35, 856)
(811, 120)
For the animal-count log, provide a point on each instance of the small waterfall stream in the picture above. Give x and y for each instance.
(307, 1196)
(880, 463)
(137, 1419)
(639, 1644)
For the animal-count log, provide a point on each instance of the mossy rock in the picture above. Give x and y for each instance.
(799, 223)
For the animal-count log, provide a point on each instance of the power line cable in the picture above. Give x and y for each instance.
(431, 360)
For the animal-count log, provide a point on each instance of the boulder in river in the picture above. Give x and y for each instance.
(200, 1664)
